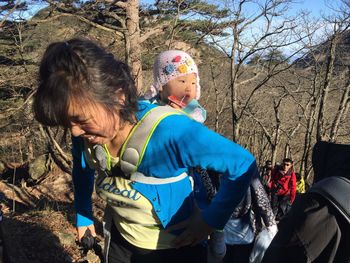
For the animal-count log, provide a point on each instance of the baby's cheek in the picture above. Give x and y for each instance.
(179, 94)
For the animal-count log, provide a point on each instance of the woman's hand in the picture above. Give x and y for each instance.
(81, 231)
(196, 230)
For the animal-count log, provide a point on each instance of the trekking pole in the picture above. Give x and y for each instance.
(1, 238)
(3, 249)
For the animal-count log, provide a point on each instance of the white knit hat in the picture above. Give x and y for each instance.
(169, 65)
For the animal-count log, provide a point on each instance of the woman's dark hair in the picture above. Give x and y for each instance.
(80, 70)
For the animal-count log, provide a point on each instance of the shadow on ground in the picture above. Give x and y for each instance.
(31, 242)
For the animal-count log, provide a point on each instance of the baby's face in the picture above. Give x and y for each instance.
(183, 87)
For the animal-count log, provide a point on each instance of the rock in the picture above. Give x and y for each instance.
(92, 257)
(40, 167)
(2, 167)
(66, 239)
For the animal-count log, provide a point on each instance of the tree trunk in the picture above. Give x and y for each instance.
(310, 115)
(133, 41)
(277, 131)
(233, 88)
(287, 152)
(325, 90)
(340, 113)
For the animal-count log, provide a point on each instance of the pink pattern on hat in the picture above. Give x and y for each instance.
(169, 65)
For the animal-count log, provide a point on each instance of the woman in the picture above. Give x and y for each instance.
(153, 219)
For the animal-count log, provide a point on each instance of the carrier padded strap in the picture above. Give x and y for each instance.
(141, 178)
(336, 190)
(135, 146)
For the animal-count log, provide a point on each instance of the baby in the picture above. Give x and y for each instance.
(176, 83)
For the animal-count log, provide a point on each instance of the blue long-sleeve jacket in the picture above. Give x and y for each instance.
(177, 144)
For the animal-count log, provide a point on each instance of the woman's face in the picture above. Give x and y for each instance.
(183, 87)
(93, 122)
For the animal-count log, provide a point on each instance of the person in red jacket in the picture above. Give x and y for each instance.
(282, 188)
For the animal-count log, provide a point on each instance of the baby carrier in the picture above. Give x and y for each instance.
(134, 148)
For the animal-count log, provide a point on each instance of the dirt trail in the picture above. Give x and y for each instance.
(37, 223)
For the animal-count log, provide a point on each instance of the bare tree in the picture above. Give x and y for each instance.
(321, 133)
(273, 129)
(272, 36)
(325, 81)
(342, 108)
(9, 8)
(220, 103)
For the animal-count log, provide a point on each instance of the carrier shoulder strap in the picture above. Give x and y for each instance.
(336, 190)
(136, 144)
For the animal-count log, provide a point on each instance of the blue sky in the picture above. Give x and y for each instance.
(317, 7)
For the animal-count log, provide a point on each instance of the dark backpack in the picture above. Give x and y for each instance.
(336, 190)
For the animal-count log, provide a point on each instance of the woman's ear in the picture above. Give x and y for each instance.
(120, 95)
(161, 94)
